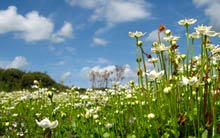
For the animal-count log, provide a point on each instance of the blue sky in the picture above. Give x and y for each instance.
(67, 38)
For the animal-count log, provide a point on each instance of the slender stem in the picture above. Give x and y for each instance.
(145, 68)
(188, 48)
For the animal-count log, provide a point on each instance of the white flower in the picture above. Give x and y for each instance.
(150, 116)
(167, 90)
(84, 97)
(191, 81)
(185, 81)
(160, 48)
(205, 30)
(187, 22)
(95, 116)
(136, 34)
(153, 60)
(194, 35)
(108, 125)
(171, 38)
(36, 82)
(129, 96)
(153, 75)
(210, 46)
(215, 50)
(45, 123)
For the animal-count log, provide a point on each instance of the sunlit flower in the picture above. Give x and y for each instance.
(153, 75)
(205, 30)
(167, 90)
(95, 116)
(171, 38)
(160, 48)
(45, 123)
(215, 50)
(108, 125)
(187, 22)
(153, 60)
(194, 35)
(35, 86)
(150, 116)
(191, 81)
(210, 46)
(36, 82)
(136, 34)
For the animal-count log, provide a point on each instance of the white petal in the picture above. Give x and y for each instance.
(54, 124)
(43, 123)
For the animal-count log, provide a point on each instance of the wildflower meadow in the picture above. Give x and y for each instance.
(176, 97)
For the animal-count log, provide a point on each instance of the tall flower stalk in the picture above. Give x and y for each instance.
(140, 57)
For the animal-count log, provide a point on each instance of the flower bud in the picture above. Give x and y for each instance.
(139, 73)
(139, 43)
(138, 60)
(183, 56)
(209, 81)
(168, 32)
(155, 44)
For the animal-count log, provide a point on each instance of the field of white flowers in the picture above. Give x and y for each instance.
(178, 98)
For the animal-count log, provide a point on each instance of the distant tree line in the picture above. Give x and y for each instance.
(101, 79)
(15, 79)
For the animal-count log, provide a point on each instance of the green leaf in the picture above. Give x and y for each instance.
(205, 134)
(216, 136)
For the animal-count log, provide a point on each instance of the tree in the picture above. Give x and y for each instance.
(119, 73)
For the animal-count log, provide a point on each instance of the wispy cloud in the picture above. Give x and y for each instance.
(32, 26)
(99, 41)
(114, 11)
(18, 63)
(212, 10)
(65, 76)
(153, 36)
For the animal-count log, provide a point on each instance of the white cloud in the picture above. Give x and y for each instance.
(99, 41)
(18, 62)
(30, 27)
(115, 11)
(212, 10)
(200, 3)
(129, 73)
(66, 30)
(65, 75)
(153, 36)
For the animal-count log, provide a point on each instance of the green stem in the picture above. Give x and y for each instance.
(145, 68)
(188, 48)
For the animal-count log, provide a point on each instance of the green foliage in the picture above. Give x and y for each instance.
(14, 79)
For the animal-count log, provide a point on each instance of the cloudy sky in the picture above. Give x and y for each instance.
(67, 38)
